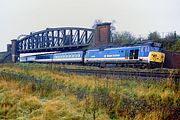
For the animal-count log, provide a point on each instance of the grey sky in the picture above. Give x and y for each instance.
(137, 16)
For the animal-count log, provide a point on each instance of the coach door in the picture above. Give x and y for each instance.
(134, 54)
(131, 54)
(126, 54)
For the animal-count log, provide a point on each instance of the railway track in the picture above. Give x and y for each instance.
(123, 74)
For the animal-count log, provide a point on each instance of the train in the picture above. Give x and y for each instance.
(141, 55)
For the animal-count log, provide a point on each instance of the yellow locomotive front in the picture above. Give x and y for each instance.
(156, 57)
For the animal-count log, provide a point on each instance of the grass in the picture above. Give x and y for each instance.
(35, 91)
(60, 66)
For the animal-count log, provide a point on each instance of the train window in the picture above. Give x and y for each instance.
(122, 51)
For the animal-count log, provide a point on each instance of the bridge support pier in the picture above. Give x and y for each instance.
(103, 34)
(15, 53)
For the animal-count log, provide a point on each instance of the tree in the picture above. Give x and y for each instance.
(123, 38)
(175, 46)
(171, 36)
(154, 36)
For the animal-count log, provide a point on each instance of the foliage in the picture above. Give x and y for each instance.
(170, 42)
(154, 36)
(125, 38)
(50, 94)
(170, 37)
(176, 46)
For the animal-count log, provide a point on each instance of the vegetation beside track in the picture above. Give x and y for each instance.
(60, 66)
(38, 91)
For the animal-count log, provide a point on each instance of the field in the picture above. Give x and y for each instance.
(41, 92)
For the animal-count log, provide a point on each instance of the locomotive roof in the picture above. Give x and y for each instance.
(124, 47)
(129, 46)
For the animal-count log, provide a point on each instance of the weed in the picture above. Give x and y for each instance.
(35, 91)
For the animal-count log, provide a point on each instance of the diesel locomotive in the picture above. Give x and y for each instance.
(142, 55)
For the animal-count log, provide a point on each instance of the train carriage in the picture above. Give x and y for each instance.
(68, 57)
(149, 54)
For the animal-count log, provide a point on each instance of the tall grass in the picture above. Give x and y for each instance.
(43, 93)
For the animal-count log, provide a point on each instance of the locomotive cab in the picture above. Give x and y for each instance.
(156, 57)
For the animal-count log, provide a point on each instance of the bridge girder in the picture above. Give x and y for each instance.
(56, 39)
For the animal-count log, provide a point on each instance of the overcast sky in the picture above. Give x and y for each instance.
(137, 16)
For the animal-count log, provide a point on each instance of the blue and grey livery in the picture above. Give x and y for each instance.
(146, 54)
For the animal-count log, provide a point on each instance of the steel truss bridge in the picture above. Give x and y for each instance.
(60, 39)
(56, 39)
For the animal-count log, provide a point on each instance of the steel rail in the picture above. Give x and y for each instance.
(122, 74)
